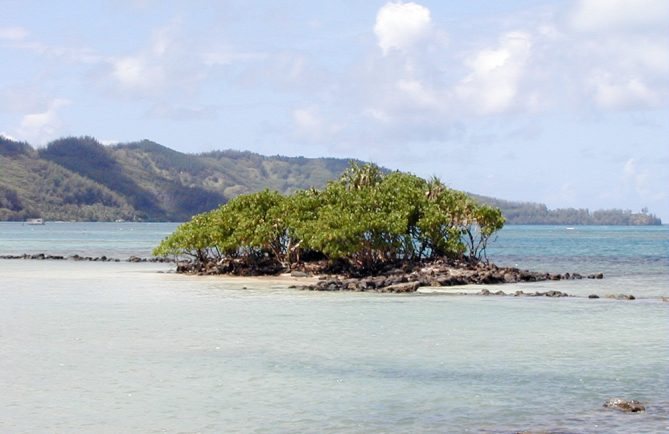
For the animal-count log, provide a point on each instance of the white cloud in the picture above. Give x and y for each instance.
(18, 38)
(377, 114)
(417, 93)
(152, 69)
(495, 75)
(136, 73)
(227, 56)
(13, 33)
(181, 113)
(621, 52)
(43, 126)
(310, 125)
(639, 181)
(599, 15)
(612, 92)
(400, 25)
(22, 98)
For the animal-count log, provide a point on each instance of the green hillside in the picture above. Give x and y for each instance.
(34, 187)
(77, 178)
(80, 179)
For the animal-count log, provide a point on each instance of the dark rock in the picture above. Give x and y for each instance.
(632, 406)
(593, 296)
(596, 276)
(425, 281)
(621, 296)
(510, 277)
(528, 276)
(402, 287)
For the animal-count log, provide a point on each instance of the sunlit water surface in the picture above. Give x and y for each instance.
(124, 347)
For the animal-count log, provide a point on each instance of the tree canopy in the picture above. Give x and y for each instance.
(366, 219)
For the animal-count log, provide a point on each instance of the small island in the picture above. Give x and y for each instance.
(373, 230)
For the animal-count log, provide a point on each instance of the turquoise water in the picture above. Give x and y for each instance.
(124, 347)
(86, 239)
(615, 250)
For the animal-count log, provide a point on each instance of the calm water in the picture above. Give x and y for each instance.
(87, 239)
(121, 347)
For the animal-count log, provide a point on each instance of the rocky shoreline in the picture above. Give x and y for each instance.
(103, 258)
(440, 274)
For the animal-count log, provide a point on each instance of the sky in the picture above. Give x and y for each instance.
(560, 102)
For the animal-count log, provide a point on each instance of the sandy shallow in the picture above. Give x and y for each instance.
(282, 279)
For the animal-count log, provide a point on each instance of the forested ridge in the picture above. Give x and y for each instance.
(78, 178)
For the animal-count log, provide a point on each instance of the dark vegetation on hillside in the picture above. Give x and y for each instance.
(77, 178)
(81, 179)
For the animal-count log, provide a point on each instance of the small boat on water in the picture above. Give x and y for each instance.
(35, 221)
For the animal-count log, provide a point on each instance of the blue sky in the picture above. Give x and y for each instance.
(563, 102)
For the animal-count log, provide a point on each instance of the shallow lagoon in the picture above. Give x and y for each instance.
(122, 347)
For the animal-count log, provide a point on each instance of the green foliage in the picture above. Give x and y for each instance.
(483, 222)
(194, 238)
(366, 218)
(260, 223)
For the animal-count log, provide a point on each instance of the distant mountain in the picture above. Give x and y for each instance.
(80, 179)
(77, 178)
